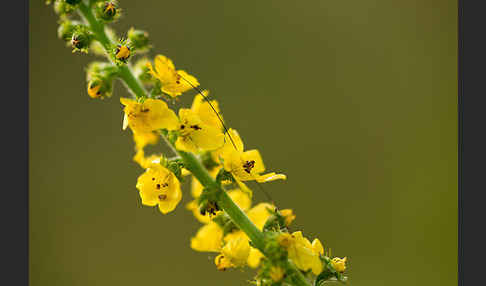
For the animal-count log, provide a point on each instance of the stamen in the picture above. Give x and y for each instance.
(248, 166)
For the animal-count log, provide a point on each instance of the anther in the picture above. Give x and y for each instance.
(248, 166)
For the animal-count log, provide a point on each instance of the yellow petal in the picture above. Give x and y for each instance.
(317, 247)
(208, 138)
(254, 258)
(203, 109)
(164, 69)
(174, 196)
(237, 248)
(241, 199)
(270, 177)
(127, 101)
(259, 214)
(208, 238)
(185, 143)
(254, 155)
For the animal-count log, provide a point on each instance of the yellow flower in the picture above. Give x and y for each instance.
(159, 186)
(301, 252)
(235, 251)
(195, 135)
(244, 165)
(152, 114)
(254, 257)
(339, 264)
(208, 238)
(289, 216)
(202, 108)
(276, 273)
(259, 214)
(173, 82)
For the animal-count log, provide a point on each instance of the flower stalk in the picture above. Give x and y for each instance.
(195, 137)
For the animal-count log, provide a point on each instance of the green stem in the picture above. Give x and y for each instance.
(191, 162)
(124, 71)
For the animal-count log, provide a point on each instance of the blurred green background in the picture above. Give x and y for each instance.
(354, 100)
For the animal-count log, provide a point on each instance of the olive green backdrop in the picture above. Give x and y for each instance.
(354, 100)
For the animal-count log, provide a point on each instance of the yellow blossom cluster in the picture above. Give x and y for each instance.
(200, 129)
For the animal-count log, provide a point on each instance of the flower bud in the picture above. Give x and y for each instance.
(122, 52)
(100, 79)
(339, 264)
(81, 39)
(139, 40)
(107, 11)
(99, 88)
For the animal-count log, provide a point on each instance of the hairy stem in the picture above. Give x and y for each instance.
(191, 162)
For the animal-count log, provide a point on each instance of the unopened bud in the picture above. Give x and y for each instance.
(81, 38)
(107, 11)
(100, 79)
